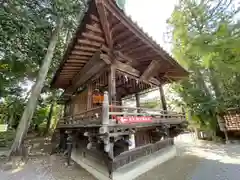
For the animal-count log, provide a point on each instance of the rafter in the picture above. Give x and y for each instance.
(78, 57)
(120, 55)
(93, 28)
(117, 27)
(93, 37)
(131, 46)
(75, 61)
(105, 58)
(86, 48)
(94, 18)
(137, 49)
(121, 36)
(76, 64)
(148, 55)
(104, 22)
(82, 53)
(126, 42)
(87, 42)
(71, 67)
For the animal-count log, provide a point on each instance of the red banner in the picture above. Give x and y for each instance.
(134, 119)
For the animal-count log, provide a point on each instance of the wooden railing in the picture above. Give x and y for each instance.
(87, 117)
(158, 116)
(106, 114)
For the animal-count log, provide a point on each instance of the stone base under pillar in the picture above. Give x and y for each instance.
(129, 171)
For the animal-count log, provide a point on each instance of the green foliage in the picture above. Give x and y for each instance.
(206, 39)
(25, 30)
(6, 138)
(150, 104)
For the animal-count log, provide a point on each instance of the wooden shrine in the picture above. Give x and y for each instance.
(110, 58)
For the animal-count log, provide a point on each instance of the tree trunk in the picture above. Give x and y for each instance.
(23, 126)
(49, 118)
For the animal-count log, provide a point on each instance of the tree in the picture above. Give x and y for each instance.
(201, 36)
(35, 92)
(25, 30)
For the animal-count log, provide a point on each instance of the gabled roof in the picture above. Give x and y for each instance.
(107, 29)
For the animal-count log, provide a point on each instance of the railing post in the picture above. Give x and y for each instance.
(162, 97)
(105, 122)
(105, 109)
(137, 96)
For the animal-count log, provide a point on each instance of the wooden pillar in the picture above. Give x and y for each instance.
(162, 97)
(89, 96)
(137, 96)
(112, 84)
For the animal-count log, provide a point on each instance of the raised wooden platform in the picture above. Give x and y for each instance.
(93, 117)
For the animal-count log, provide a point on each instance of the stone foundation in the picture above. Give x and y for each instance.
(129, 171)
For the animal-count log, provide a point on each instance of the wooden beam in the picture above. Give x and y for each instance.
(73, 61)
(151, 70)
(112, 84)
(117, 27)
(66, 75)
(131, 46)
(93, 28)
(149, 56)
(127, 69)
(104, 22)
(67, 68)
(121, 36)
(104, 48)
(105, 58)
(87, 42)
(86, 48)
(93, 66)
(93, 37)
(128, 41)
(74, 65)
(82, 53)
(120, 55)
(78, 57)
(94, 18)
(137, 49)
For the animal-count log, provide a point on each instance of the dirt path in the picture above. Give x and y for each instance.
(46, 168)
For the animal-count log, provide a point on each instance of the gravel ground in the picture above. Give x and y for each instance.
(46, 168)
(195, 161)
